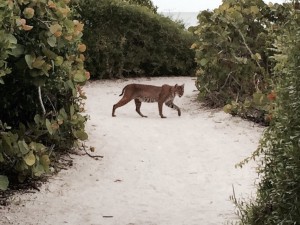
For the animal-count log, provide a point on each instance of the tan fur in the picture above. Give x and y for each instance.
(149, 93)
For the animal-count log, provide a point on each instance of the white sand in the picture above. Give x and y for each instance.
(174, 171)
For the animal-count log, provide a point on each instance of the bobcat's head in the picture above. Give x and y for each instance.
(179, 89)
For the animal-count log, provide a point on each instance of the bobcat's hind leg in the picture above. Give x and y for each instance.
(173, 106)
(122, 102)
(138, 104)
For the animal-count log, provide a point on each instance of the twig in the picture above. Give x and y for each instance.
(237, 97)
(96, 157)
(51, 149)
(226, 80)
(52, 105)
(41, 101)
(34, 187)
(61, 167)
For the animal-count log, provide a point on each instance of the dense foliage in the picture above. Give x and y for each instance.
(147, 3)
(233, 55)
(41, 73)
(278, 197)
(129, 40)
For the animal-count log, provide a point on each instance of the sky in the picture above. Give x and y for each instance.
(193, 5)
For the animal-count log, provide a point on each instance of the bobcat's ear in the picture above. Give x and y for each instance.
(176, 85)
(182, 85)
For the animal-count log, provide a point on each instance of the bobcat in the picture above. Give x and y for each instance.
(149, 93)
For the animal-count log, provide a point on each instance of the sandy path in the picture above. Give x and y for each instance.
(174, 171)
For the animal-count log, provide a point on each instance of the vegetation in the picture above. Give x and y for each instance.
(247, 56)
(147, 3)
(129, 40)
(278, 192)
(233, 56)
(41, 73)
(42, 70)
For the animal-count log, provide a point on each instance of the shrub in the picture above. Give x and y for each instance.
(278, 195)
(129, 40)
(42, 72)
(147, 3)
(233, 55)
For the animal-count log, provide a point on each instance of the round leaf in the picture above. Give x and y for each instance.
(29, 60)
(54, 28)
(51, 41)
(23, 147)
(49, 127)
(3, 183)
(30, 159)
(203, 62)
(79, 76)
(81, 135)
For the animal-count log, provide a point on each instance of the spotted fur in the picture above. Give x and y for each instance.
(149, 93)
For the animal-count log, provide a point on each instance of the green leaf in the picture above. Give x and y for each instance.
(17, 51)
(63, 113)
(29, 60)
(49, 127)
(203, 62)
(12, 39)
(237, 17)
(6, 142)
(1, 157)
(79, 76)
(45, 161)
(38, 62)
(69, 25)
(59, 60)
(258, 56)
(72, 110)
(21, 166)
(50, 54)
(51, 41)
(23, 147)
(224, 7)
(81, 135)
(227, 108)
(259, 99)
(30, 159)
(38, 170)
(3, 183)
(38, 119)
(247, 103)
(254, 9)
(70, 84)
(54, 28)
(37, 147)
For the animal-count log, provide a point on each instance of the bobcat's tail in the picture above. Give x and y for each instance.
(123, 91)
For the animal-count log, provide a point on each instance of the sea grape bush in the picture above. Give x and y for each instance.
(278, 194)
(233, 54)
(41, 74)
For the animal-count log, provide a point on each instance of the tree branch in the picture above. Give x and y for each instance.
(245, 43)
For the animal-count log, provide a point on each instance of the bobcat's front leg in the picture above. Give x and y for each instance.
(173, 106)
(160, 105)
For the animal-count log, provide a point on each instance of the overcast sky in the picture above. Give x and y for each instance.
(193, 5)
